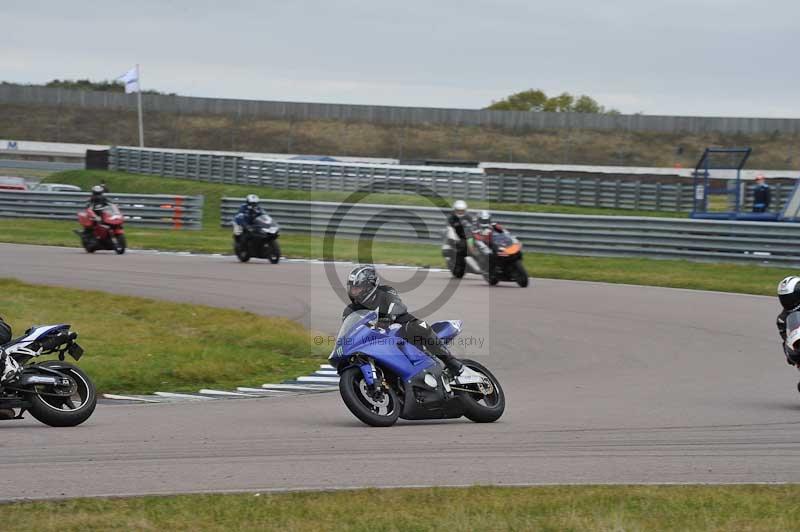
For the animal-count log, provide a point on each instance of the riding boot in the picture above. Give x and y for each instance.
(441, 352)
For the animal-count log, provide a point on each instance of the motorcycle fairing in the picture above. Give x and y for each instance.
(35, 333)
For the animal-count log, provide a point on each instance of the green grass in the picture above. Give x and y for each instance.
(752, 279)
(137, 345)
(558, 508)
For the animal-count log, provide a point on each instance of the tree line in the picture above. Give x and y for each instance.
(537, 100)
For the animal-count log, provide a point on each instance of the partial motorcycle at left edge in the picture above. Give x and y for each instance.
(55, 392)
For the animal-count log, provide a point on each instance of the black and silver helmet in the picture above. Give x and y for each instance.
(789, 292)
(362, 282)
(484, 220)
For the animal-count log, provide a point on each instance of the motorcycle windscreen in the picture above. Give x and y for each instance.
(350, 322)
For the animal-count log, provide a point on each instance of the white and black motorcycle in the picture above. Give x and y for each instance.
(55, 392)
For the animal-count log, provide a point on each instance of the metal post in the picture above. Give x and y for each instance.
(139, 100)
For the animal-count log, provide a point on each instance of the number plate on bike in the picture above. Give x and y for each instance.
(75, 351)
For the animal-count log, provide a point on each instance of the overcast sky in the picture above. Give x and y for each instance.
(698, 57)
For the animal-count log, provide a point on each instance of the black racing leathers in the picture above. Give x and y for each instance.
(5, 332)
(391, 309)
(462, 225)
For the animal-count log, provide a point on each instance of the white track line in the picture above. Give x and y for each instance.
(183, 396)
(295, 387)
(206, 391)
(325, 373)
(332, 380)
(261, 391)
(326, 366)
(129, 398)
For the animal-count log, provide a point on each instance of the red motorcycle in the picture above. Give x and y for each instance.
(102, 229)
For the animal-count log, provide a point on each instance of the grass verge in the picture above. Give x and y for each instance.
(137, 345)
(562, 508)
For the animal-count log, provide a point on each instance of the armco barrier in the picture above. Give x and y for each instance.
(470, 184)
(145, 210)
(605, 236)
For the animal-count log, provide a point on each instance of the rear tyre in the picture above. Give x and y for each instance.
(58, 411)
(382, 412)
(480, 407)
(520, 275)
(275, 252)
(120, 243)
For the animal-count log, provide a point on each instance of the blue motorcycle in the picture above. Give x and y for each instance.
(383, 377)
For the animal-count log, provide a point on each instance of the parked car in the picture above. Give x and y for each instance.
(56, 187)
(12, 183)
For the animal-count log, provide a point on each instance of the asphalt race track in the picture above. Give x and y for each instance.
(604, 383)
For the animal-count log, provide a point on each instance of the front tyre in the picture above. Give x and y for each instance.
(65, 411)
(120, 243)
(520, 275)
(486, 405)
(275, 252)
(376, 411)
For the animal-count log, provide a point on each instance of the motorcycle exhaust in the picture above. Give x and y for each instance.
(28, 379)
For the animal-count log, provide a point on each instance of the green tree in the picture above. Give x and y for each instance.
(537, 100)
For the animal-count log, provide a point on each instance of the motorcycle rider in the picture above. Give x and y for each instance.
(97, 201)
(485, 227)
(366, 292)
(789, 296)
(248, 212)
(6, 370)
(460, 220)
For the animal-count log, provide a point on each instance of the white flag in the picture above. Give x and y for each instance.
(131, 80)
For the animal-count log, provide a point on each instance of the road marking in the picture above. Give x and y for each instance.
(129, 398)
(294, 387)
(206, 391)
(182, 396)
(261, 391)
(318, 379)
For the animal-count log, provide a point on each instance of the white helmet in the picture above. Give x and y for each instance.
(460, 207)
(485, 220)
(252, 200)
(789, 292)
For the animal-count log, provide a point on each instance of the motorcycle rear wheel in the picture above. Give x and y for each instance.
(482, 408)
(59, 411)
(353, 390)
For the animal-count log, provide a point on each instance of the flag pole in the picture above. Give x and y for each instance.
(139, 99)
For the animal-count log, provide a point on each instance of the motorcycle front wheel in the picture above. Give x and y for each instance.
(120, 243)
(63, 411)
(380, 411)
(275, 252)
(479, 406)
(520, 275)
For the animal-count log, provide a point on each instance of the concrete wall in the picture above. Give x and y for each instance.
(18, 94)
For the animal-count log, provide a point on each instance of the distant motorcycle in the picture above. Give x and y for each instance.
(258, 239)
(383, 377)
(499, 259)
(104, 231)
(55, 392)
